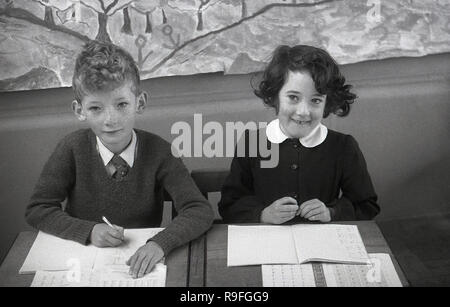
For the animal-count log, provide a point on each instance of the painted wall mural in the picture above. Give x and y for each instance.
(39, 39)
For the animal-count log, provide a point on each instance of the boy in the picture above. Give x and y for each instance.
(114, 170)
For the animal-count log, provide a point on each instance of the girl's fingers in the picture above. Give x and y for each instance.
(314, 212)
(311, 206)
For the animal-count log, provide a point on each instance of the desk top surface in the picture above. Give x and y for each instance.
(203, 263)
(177, 264)
(217, 274)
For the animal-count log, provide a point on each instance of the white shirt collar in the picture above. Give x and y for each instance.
(315, 138)
(127, 154)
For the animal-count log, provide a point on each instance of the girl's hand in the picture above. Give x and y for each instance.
(280, 211)
(314, 210)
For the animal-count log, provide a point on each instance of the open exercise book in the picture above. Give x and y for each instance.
(252, 245)
(380, 272)
(59, 262)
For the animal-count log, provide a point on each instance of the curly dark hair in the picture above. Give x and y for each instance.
(324, 72)
(103, 66)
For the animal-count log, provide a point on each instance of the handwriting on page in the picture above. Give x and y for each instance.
(286, 275)
(100, 278)
(329, 243)
(379, 273)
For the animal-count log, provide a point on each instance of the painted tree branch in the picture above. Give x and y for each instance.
(111, 5)
(121, 7)
(102, 4)
(258, 13)
(23, 14)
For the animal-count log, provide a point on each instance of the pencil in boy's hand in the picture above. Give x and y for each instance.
(112, 226)
(107, 222)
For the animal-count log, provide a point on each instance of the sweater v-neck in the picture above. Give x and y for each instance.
(100, 167)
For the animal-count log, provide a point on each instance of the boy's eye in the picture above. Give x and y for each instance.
(94, 109)
(123, 104)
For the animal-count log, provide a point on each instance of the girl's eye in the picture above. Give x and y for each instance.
(316, 100)
(123, 105)
(293, 97)
(94, 109)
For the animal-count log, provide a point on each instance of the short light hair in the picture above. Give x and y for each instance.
(102, 67)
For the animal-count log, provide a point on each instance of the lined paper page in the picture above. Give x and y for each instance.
(379, 273)
(288, 275)
(100, 278)
(329, 243)
(156, 278)
(251, 245)
(50, 253)
(116, 257)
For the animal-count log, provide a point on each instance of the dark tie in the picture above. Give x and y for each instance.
(121, 166)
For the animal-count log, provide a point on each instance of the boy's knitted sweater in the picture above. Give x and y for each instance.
(75, 172)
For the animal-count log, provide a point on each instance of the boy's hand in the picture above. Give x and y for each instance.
(280, 211)
(314, 210)
(144, 259)
(103, 235)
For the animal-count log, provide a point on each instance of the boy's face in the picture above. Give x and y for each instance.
(301, 107)
(111, 115)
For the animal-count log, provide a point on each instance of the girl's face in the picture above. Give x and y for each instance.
(301, 107)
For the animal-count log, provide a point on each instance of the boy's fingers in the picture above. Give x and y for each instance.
(144, 265)
(131, 262)
(116, 233)
(152, 265)
(119, 231)
(137, 265)
(112, 241)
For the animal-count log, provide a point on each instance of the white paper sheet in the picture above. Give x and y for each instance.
(329, 243)
(288, 275)
(379, 273)
(50, 253)
(115, 258)
(249, 245)
(253, 245)
(99, 278)
(55, 254)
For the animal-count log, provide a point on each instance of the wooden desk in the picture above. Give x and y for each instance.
(217, 274)
(177, 264)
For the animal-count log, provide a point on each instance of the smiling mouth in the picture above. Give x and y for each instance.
(112, 132)
(301, 122)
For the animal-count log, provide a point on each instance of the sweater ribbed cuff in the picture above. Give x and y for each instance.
(81, 233)
(166, 242)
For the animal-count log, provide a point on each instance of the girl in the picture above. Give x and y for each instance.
(321, 174)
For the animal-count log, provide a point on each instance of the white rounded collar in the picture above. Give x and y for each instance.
(316, 137)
